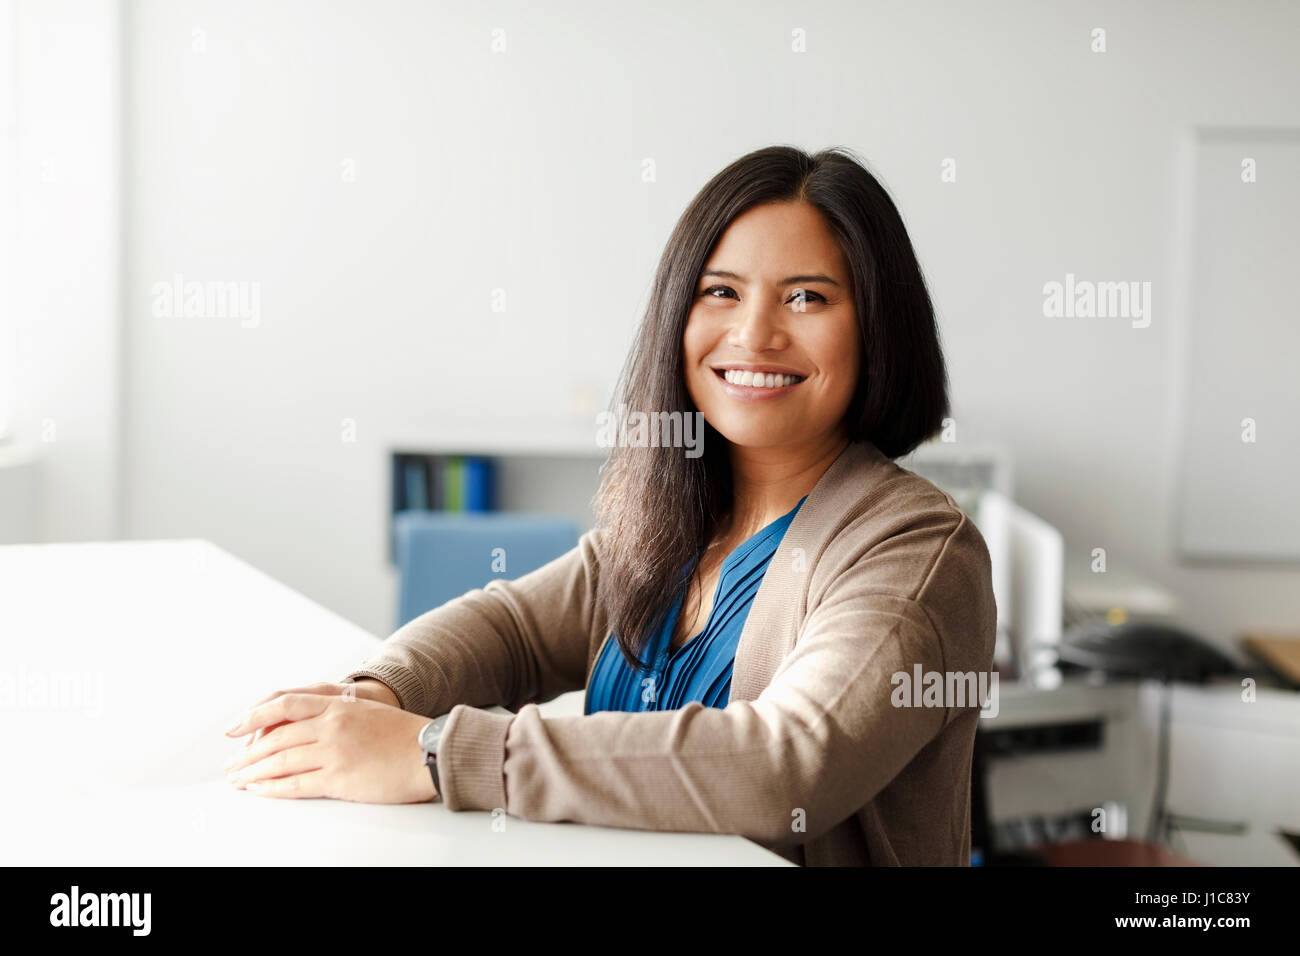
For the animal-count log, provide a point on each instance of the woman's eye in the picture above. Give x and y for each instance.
(799, 294)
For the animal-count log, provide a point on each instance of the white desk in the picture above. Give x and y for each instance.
(123, 663)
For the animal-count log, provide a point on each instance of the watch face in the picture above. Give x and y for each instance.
(431, 732)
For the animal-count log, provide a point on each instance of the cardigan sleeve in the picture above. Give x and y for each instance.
(821, 740)
(505, 644)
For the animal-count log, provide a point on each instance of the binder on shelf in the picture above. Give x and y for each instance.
(479, 484)
(433, 467)
(398, 477)
(453, 476)
(417, 484)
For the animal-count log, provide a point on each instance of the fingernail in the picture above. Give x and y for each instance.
(252, 786)
(236, 725)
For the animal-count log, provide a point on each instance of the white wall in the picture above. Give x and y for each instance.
(63, 65)
(522, 170)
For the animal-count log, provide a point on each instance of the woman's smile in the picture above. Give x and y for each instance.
(747, 385)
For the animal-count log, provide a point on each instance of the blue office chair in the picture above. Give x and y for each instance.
(441, 555)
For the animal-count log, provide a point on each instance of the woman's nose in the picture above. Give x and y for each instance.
(758, 327)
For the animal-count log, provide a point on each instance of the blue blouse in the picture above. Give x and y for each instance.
(701, 668)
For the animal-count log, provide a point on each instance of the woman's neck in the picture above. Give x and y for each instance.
(768, 482)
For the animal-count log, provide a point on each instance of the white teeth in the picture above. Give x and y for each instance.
(759, 379)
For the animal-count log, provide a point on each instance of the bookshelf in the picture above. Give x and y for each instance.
(523, 472)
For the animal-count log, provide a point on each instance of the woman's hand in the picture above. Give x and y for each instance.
(328, 745)
(363, 688)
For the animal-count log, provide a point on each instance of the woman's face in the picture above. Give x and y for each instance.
(774, 297)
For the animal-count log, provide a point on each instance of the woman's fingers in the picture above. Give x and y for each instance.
(274, 739)
(284, 763)
(259, 734)
(325, 688)
(320, 687)
(284, 708)
(314, 783)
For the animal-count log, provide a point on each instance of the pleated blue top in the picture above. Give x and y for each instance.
(701, 668)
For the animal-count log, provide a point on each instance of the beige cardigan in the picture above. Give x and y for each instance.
(879, 573)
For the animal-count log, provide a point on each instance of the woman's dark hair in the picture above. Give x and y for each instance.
(658, 508)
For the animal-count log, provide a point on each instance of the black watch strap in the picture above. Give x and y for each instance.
(431, 761)
(430, 740)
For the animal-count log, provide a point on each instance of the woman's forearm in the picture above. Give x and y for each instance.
(511, 642)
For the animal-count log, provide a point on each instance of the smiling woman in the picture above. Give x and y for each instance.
(783, 264)
(742, 612)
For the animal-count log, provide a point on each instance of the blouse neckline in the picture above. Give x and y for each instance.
(740, 551)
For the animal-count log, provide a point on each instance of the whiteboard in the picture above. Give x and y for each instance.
(1240, 498)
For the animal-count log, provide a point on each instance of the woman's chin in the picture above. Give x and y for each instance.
(757, 434)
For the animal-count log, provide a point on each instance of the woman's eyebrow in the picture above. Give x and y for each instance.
(724, 274)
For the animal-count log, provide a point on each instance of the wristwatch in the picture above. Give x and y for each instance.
(430, 735)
